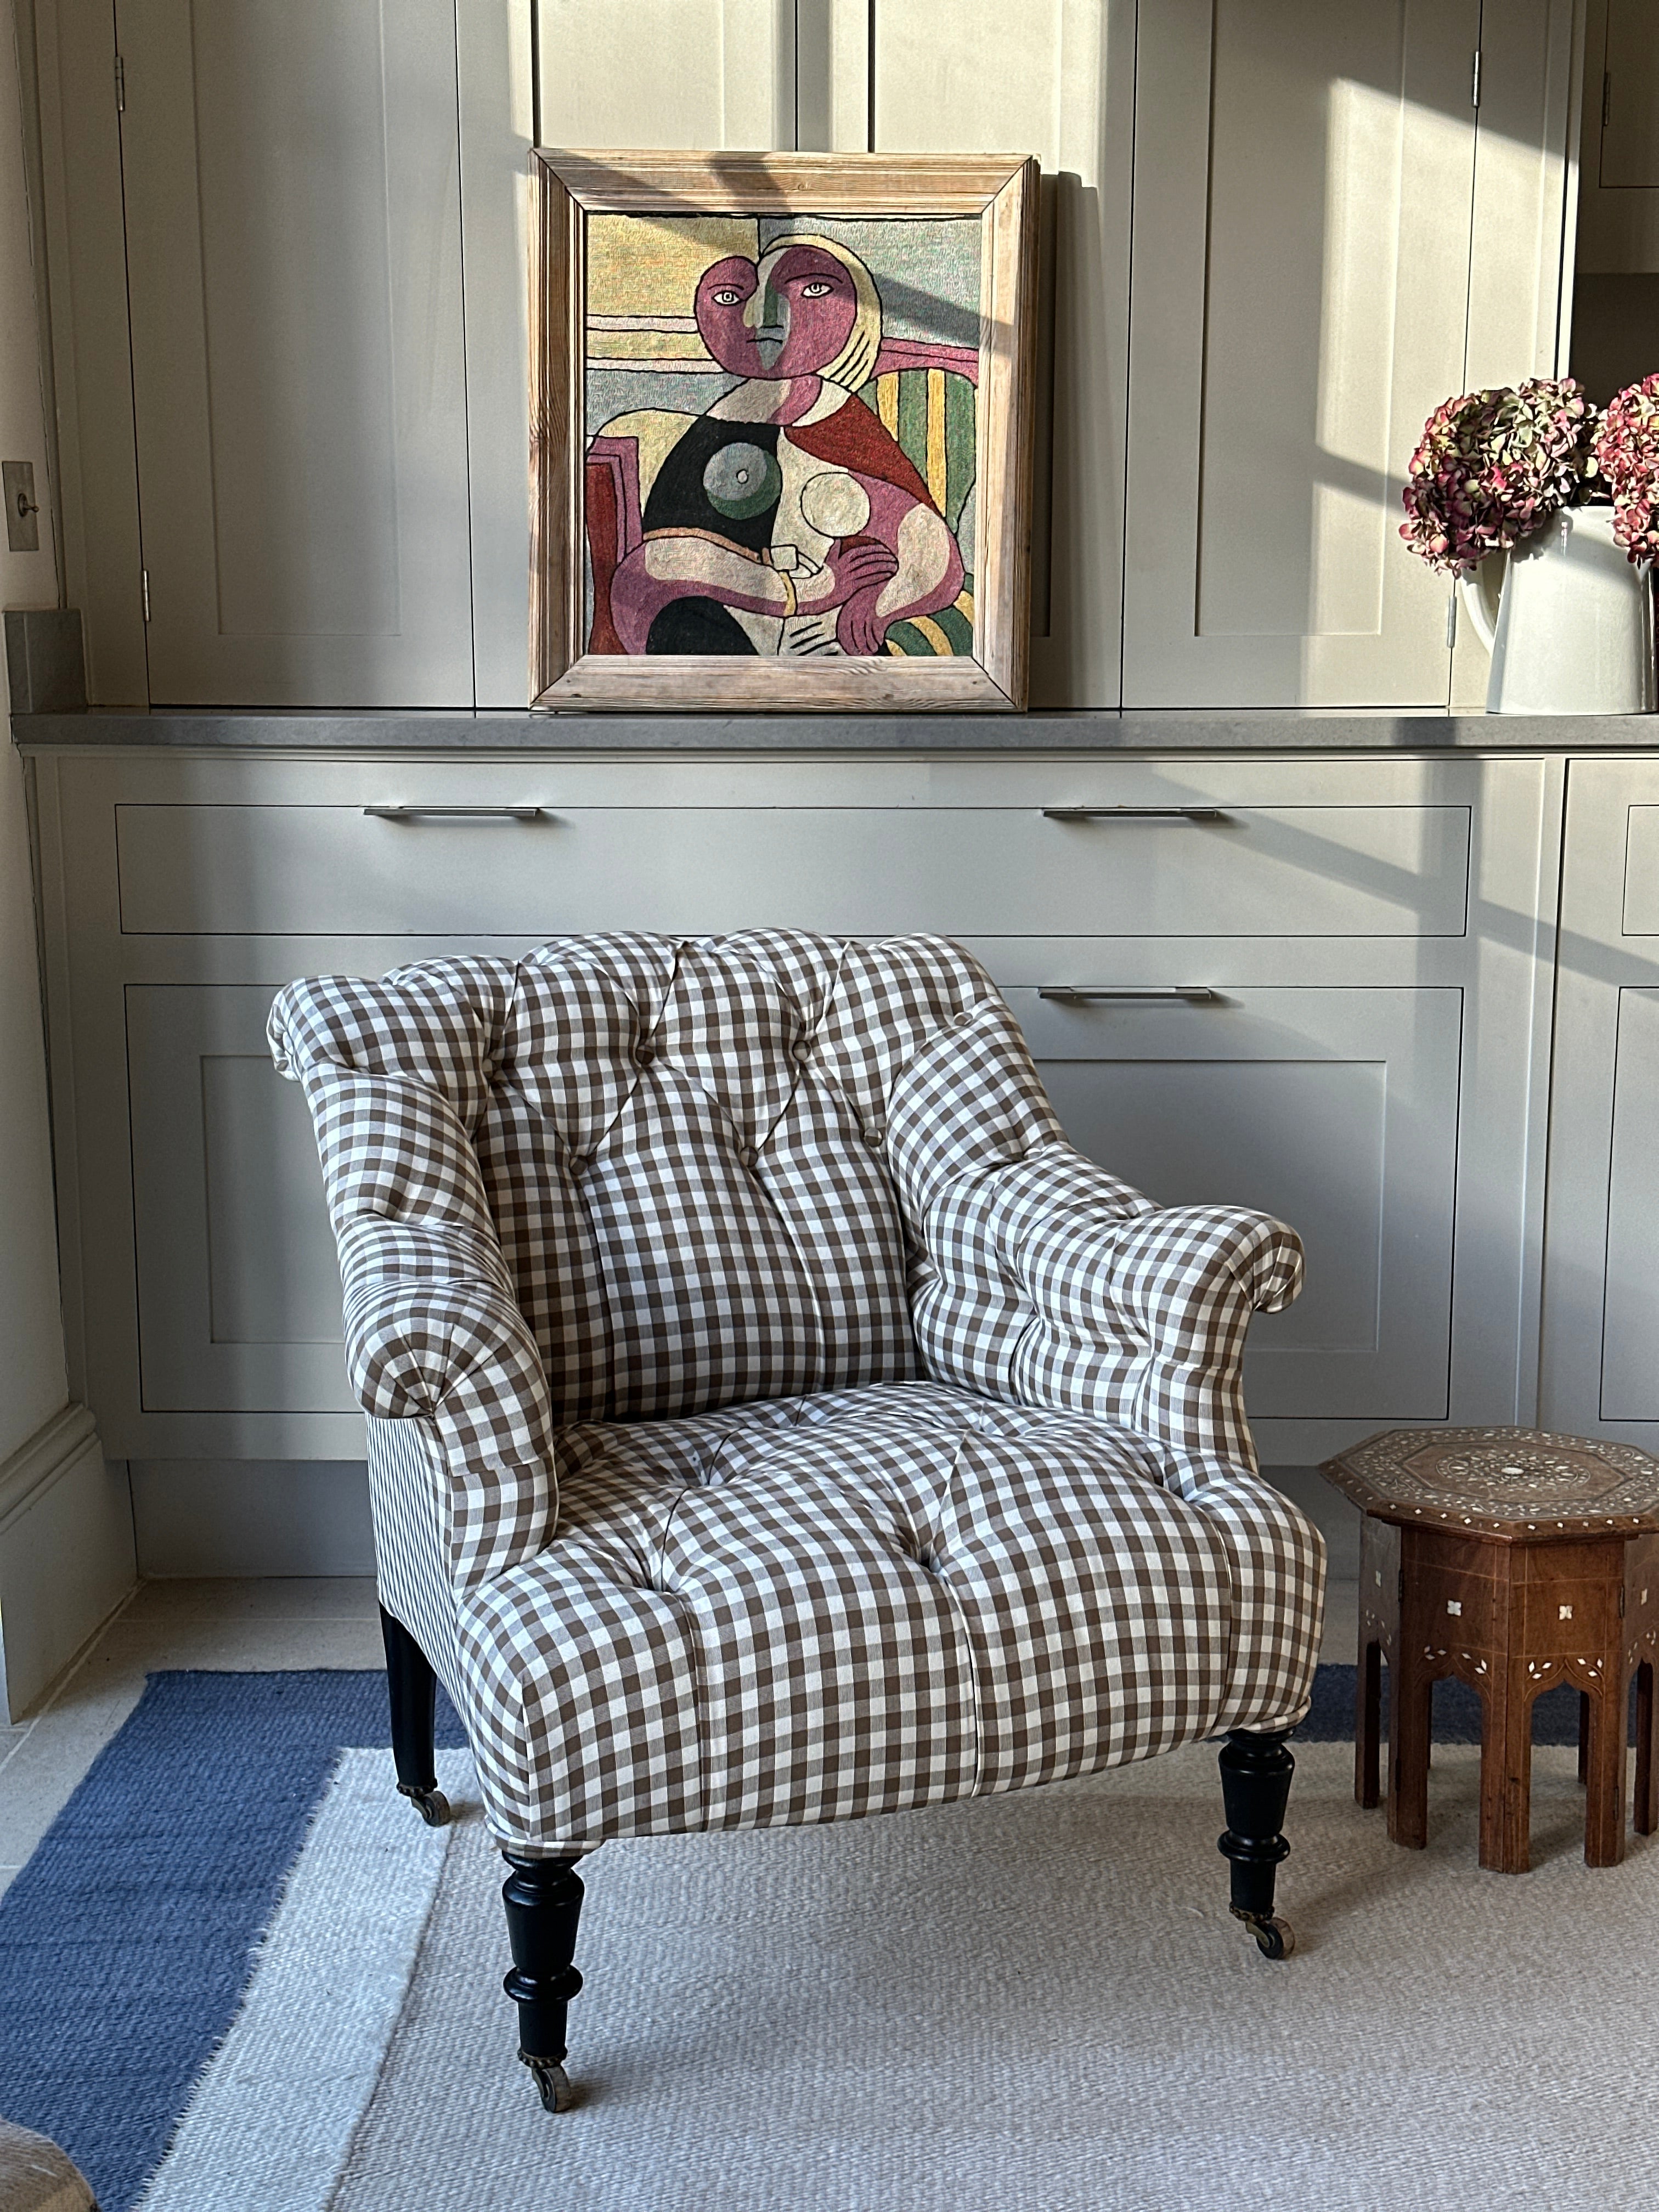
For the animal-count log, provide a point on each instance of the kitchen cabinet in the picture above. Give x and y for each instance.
(1600, 1375)
(288, 303)
(1330, 237)
(1373, 936)
(1619, 183)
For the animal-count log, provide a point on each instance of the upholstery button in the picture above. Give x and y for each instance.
(746, 1157)
(801, 1053)
(644, 1055)
(579, 1163)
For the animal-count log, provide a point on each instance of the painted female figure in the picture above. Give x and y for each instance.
(787, 520)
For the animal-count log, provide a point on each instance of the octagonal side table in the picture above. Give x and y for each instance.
(1515, 1560)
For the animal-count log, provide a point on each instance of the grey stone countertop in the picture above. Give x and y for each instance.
(1264, 730)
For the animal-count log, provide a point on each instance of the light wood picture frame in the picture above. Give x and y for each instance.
(689, 313)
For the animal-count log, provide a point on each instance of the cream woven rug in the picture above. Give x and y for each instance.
(1030, 2005)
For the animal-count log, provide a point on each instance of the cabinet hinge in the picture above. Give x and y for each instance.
(120, 85)
(1451, 621)
(1607, 98)
(1402, 1586)
(1474, 80)
(1621, 1601)
(143, 578)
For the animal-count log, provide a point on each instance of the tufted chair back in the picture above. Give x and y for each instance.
(687, 1148)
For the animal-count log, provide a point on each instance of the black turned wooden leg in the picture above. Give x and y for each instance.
(412, 1690)
(544, 1901)
(1255, 1788)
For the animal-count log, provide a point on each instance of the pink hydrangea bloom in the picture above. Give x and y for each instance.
(1627, 454)
(1493, 467)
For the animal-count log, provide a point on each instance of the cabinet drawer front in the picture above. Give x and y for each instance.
(1357, 871)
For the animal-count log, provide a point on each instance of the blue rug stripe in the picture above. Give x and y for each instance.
(124, 1942)
(1457, 1711)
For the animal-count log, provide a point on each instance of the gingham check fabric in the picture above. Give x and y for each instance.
(772, 1418)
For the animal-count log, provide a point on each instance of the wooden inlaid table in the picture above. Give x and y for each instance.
(1516, 1561)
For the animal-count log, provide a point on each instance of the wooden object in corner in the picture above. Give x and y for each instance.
(1515, 1560)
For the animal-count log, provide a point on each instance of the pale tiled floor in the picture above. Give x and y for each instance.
(241, 1627)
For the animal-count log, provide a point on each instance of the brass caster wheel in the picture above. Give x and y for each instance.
(431, 1804)
(1274, 1939)
(552, 2083)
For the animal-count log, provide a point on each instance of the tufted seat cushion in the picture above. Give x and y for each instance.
(814, 1609)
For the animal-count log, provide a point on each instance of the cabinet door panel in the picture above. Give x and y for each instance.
(1640, 917)
(1618, 230)
(1300, 291)
(1630, 1321)
(703, 73)
(1052, 78)
(1601, 1307)
(1630, 134)
(1335, 1111)
(294, 243)
(239, 1289)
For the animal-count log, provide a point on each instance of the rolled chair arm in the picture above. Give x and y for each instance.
(434, 1332)
(1053, 1283)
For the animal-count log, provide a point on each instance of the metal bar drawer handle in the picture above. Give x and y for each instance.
(1193, 994)
(470, 813)
(1133, 814)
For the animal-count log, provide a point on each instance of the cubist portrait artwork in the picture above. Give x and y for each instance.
(780, 417)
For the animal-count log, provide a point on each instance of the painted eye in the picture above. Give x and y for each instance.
(726, 297)
(819, 288)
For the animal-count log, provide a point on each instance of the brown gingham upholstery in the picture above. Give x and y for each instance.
(772, 1418)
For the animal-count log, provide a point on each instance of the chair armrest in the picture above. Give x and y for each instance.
(432, 1330)
(1053, 1283)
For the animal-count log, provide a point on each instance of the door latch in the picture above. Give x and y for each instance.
(17, 485)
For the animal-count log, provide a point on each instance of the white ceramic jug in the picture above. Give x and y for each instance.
(1567, 620)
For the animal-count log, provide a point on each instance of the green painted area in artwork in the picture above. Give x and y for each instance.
(913, 418)
(959, 457)
(915, 643)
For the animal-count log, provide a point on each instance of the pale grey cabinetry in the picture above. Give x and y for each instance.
(1600, 1365)
(293, 235)
(286, 249)
(1329, 238)
(287, 304)
(1373, 937)
(1619, 191)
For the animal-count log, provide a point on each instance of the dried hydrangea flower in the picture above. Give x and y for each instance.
(1627, 454)
(1493, 466)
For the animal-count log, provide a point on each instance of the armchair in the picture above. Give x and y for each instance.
(773, 1418)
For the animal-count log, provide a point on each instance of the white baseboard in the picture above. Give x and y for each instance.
(231, 1516)
(66, 1553)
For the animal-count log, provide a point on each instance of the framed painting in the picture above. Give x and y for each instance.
(781, 424)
